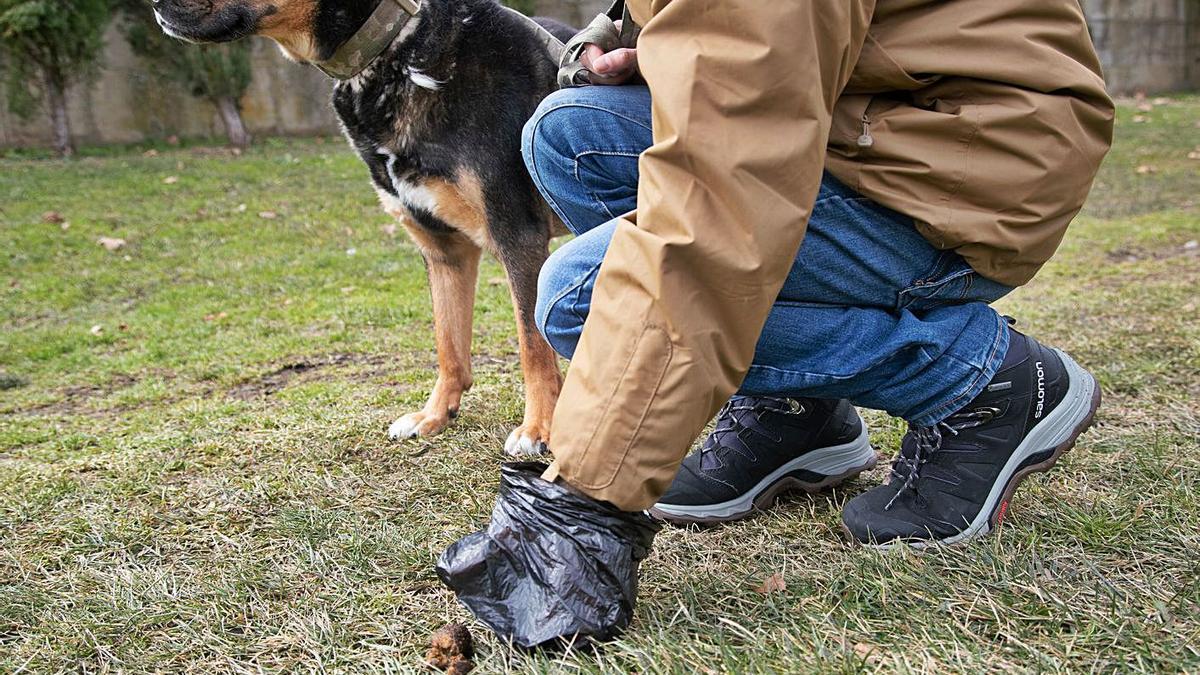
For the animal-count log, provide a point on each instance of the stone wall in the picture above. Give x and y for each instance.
(1147, 45)
(127, 104)
(1151, 45)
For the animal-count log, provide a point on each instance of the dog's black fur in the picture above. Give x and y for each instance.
(437, 119)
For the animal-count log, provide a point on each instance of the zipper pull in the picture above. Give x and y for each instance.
(866, 140)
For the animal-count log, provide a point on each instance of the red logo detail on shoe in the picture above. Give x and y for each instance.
(1000, 515)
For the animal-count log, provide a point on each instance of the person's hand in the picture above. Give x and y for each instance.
(615, 67)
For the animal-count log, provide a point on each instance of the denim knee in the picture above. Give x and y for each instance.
(547, 133)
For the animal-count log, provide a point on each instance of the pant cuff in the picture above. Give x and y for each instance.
(976, 379)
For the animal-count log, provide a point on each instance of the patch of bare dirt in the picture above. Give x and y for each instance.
(1134, 254)
(303, 371)
(75, 397)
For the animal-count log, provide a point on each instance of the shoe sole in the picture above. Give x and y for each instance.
(836, 463)
(1056, 434)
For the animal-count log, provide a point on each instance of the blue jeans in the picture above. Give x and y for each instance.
(870, 312)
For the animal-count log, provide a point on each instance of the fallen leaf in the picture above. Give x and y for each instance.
(97, 329)
(215, 317)
(53, 217)
(349, 232)
(1195, 154)
(1162, 100)
(772, 584)
(1145, 170)
(123, 327)
(268, 215)
(111, 243)
(171, 180)
(237, 152)
(389, 230)
(1140, 119)
(1139, 510)
(150, 153)
(1145, 107)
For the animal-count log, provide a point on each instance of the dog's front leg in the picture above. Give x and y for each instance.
(539, 363)
(452, 262)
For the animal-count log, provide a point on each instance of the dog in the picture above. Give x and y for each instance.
(437, 118)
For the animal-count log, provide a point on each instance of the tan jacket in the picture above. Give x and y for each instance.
(986, 121)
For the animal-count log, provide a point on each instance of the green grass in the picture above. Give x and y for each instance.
(205, 484)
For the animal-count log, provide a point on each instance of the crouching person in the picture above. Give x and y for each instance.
(801, 211)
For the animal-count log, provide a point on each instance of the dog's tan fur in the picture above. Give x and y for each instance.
(453, 268)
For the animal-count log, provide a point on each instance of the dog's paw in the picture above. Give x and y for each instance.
(417, 424)
(527, 441)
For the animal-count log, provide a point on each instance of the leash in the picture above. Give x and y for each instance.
(602, 32)
(391, 16)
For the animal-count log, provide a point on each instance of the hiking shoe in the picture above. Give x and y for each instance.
(953, 481)
(762, 446)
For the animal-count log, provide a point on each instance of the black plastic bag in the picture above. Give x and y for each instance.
(552, 567)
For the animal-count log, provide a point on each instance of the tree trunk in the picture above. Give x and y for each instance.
(235, 127)
(56, 97)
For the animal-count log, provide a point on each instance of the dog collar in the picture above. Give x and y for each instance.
(373, 39)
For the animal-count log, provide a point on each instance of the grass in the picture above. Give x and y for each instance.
(194, 474)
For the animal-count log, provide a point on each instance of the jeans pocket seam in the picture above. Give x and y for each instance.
(592, 195)
(936, 281)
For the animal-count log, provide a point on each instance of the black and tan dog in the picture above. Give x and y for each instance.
(433, 96)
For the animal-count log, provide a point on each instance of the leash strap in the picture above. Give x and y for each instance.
(391, 16)
(551, 43)
(602, 32)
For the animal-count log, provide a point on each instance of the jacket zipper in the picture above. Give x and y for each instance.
(866, 140)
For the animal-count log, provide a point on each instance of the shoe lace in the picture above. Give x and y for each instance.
(744, 414)
(927, 440)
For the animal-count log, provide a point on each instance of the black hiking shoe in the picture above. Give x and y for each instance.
(953, 481)
(762, 446)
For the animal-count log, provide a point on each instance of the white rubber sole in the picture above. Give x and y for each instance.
(836, 463)
(1057, 432)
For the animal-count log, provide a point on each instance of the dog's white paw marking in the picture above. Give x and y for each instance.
(417, 424)
(522, 444)
(405, 427)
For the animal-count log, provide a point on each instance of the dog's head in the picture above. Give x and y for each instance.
(308, 30)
